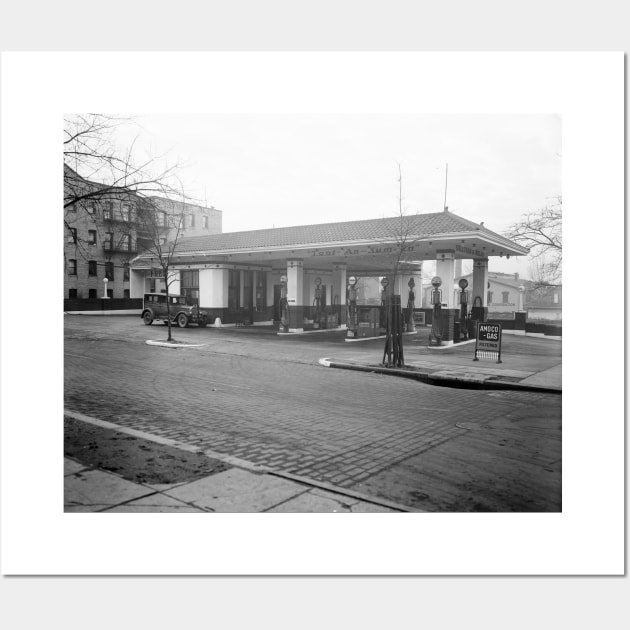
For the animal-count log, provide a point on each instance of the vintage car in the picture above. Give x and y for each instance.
(180, 311)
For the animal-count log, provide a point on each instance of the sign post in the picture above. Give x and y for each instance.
(488, 344)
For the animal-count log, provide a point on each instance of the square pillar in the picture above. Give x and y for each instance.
(295, 294)
(213, 288)
(136, 283)
(480, 282)
(445, 269)
(269, 297)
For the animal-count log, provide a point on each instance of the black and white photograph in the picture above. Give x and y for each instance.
(294, 313)
(312, 314)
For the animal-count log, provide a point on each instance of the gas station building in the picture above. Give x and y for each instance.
(242, 277)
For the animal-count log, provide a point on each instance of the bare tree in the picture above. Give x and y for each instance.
(402, 238)
(98, 173)
(541, 232)
(158, 236)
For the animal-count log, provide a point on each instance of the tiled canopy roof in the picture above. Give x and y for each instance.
(419, 226)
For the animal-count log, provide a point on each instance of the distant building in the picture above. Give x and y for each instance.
(508, 292)
(103, 232)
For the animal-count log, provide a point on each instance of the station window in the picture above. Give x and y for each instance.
(234, 289)
(489, 297)
(189, 284)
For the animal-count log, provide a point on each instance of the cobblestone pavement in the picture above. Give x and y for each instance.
(265, 399)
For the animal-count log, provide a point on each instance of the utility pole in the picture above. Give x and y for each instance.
(445, 188)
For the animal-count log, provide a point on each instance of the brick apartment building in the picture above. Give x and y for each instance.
(104, 228)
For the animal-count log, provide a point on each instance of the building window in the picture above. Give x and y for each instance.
(161, 219)
(189, 285)
(110, 293)
(125, 211)
(73, 235)
(126, 272)
(192, 220)
(108, 210)
(92, 268)
(205, 223)
(555, 298)
(92, 237)
(109, 240)
(92, 294)
(72, 208)
(109, 270)
(124, 242)
(72, 294)
(152, 286)
(489, 297)
(506, 296)
(126, 293)
(72, 267)
(91, 207)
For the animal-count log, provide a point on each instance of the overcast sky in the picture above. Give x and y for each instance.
(264, 170)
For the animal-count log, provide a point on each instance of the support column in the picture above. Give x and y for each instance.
(295, 294)
(269, 297)
(213, 293)
(444, 268)
(480, 281)
(339, 287)
(136, 283)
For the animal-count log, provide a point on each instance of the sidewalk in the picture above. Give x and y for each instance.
(236, 486)
(235, 490)
(527, 363)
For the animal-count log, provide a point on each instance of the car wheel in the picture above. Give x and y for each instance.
(203, 322)
(148, 318)
(182, 320)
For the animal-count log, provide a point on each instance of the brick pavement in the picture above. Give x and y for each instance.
(264, 400)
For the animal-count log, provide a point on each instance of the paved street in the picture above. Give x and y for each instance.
(249, 394)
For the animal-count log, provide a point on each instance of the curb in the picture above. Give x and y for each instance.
(440, 380)
(166, 344)
(237, 463)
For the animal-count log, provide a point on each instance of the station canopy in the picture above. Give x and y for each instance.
(369, 246)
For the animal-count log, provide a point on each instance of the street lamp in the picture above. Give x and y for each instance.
(105, 281)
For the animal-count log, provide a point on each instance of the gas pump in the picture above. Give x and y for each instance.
(463, 301)
(436, 300)
(411, 305)
(352, 307)
(284, 305)
(317, 302)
